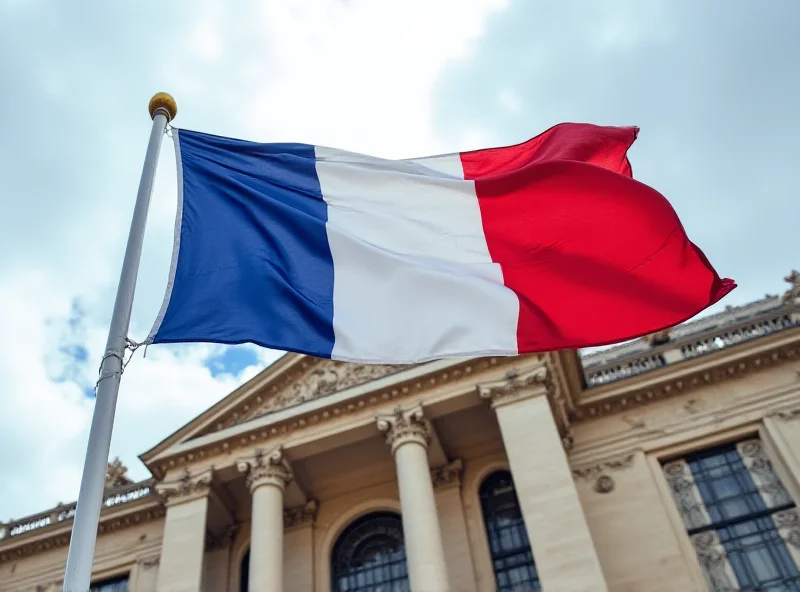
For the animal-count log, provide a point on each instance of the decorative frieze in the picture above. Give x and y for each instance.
(297, 516)
(404, 426)
(447, 475)
(315, 379)
(515, 386)
(187, 487)
(269, 468)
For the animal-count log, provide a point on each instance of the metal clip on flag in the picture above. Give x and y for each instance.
(77, 575)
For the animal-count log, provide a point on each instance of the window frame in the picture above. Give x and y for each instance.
(491, 559)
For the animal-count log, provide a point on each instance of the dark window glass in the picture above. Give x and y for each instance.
(370, 556)
(514, 568)
(119, 584)
(742, 520)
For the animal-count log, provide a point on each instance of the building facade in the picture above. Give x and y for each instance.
(670, 463)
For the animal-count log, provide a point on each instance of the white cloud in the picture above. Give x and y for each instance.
(356, 74)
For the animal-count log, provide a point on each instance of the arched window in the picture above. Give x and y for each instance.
(370, 556)
(514, 569)
(244, 574)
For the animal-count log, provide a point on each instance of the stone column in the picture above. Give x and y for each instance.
(181, 565)
(267, 477)
(408, 434)
(562, 545)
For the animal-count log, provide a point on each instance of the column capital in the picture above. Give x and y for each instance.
(189, 486)
(447, 475)
(270, 468)
(516, 386)
(300, 515)
(404, 426)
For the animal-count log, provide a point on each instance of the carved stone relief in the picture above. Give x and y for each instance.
(405, 426)
(766, 479)
(684, 491)
(603, 482)
(271, 468)
(324, 378)
(449, 474)
(788, 524)
(516, 385)
(300, 515)
(714, 559)
(188, 486)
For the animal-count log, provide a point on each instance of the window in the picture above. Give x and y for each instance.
(119, 584)
(370, 556)
(742, 522)
(512, 557)
(244, 573)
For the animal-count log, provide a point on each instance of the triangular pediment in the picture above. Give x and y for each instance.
(313, 379)
(290, 381)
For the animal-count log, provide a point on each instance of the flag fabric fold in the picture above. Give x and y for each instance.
(545, 245)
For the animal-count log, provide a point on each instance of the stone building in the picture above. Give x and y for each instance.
(670, 463)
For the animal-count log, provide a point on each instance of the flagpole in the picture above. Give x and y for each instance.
(78, 572)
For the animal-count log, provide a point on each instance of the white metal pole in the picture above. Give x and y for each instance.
(78, 572)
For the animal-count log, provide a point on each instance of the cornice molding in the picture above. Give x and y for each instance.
(786, 414)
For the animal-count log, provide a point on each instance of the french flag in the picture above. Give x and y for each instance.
(546, 245)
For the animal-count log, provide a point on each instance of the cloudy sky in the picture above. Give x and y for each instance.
(713, 86)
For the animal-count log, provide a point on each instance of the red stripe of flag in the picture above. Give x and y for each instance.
(594, 256)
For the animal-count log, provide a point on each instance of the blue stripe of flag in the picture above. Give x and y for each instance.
(252, 243)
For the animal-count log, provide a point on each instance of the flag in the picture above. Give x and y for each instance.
(545, 245)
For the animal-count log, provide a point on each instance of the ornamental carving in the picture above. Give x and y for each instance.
(324, 378)
(788, 524)
(269, 468)
(150, 562)
(684, 491)
(116, 474)
(516, 385)
(221, 540)
(766, 479)
(449, 474)
(188, 486)
(300, 515)
(405, 426)
(793, 293)
(714, 560)
(603, 482)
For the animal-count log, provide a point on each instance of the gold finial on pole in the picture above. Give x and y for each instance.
(163, 103)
